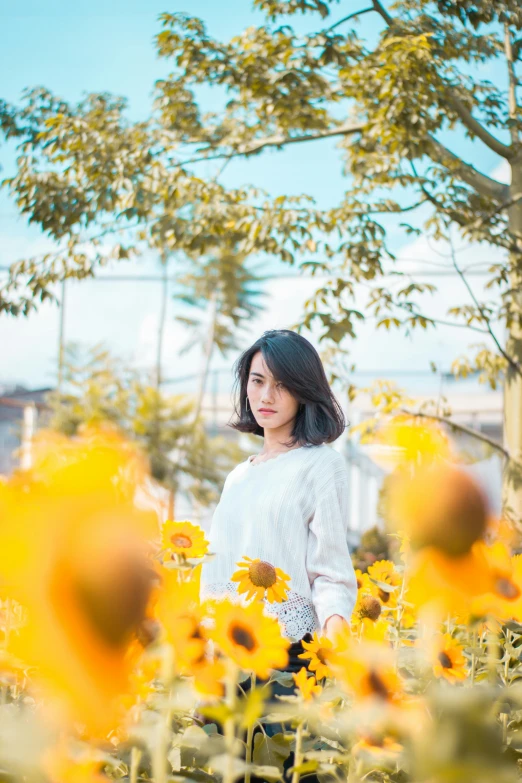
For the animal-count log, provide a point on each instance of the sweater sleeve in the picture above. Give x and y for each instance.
(329, 565)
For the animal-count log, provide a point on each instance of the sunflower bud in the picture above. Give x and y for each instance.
(442, 506)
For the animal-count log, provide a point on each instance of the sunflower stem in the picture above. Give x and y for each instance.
(508, 657)
(298, 754)
(492, 656)
(8, 622)
(474, 642)
(134, 765)
(229, 724)
(250, 736)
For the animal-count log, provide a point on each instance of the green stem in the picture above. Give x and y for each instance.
(159, 755)
(474, 642)
(134, 765)
(250, 736)
(229, 725)
(492, 656)
(506, 662)
(298, 755)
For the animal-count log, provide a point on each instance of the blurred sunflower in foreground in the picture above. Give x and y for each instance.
(75, 553)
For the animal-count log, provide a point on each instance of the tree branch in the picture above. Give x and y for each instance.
(439, 321)
(347, 18)
(460, 428)
(513, 82)
(486, 186)
(280, 140)
(517, 49)
(381, 10)
(276, 141)
(504, 150)
(459, 107)
(512, 362)
(480, 221)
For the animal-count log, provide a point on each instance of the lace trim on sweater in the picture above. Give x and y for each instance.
(296, 615)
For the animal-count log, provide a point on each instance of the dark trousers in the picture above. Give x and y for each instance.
(277, 689)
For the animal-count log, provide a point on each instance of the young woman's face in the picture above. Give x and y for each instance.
(265, 394)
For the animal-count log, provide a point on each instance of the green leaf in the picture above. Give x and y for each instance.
(271, 751)
(383, 585)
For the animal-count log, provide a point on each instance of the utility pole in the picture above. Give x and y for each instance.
(61, 339)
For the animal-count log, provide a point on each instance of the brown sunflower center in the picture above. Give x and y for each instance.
(262, 574)
(196, 633)
(180, 539)
(200, 659)
(322, 654)
(115, 602)
(377, 685)
(243, 637)
(506, 588)
(359, 583)
(370, 607)
(384, 596)
(148, 631)
(445, 661)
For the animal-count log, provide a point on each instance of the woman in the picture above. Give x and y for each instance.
(287, 505)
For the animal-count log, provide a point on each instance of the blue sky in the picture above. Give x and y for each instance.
(108, 46)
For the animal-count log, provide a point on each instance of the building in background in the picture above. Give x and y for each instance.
(21, 412)
(477, 409)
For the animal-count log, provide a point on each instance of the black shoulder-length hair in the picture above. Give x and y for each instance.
(294, 362)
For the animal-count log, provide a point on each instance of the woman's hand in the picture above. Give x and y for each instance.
(334, 625)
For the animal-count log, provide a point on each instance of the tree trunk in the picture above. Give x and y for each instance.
(512, 484)
(162, 317)
(207, 356)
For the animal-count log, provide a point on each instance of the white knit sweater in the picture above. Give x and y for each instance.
(291, 511)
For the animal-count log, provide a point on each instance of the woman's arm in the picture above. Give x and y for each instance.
(328, 562)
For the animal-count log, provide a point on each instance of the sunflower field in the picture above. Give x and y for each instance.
(112, 669)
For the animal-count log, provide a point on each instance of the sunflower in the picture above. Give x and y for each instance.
(373, 630)
(439, 506)
(249, 637)
(410, 443)
(377, 746)
(447, 585)
(384, 571)
(363, 580)
(209, 674)
(503, 597)
(75, 553)
(261, 579)
(307, 685)
(367, 670)
(316, 652)
(181, 617)
(184, 538)
(448, 658)
(367, 607)
(59, 766)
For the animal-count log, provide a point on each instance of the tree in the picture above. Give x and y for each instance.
(100, 388)
(227, 289)
(387, 98)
